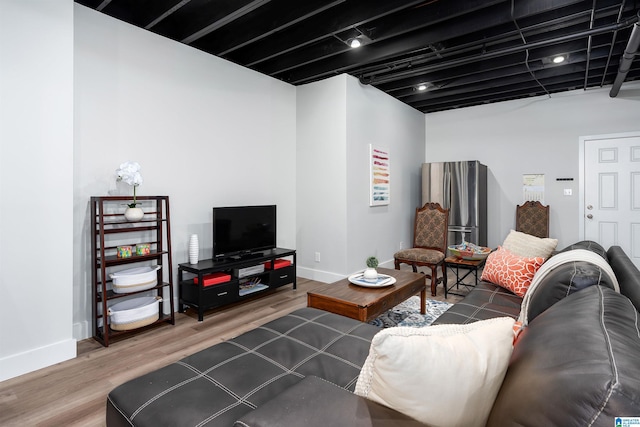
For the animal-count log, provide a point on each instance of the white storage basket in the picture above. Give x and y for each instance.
(134, 313)
(135, 279)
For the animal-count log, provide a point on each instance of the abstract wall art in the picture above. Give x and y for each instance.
(380, 176)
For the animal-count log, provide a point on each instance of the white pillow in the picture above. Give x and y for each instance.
(444, 375)
(529, 246)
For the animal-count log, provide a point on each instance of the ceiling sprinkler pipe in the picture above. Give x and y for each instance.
(627, 58)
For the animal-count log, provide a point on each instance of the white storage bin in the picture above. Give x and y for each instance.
(134, 313)
(135, 279)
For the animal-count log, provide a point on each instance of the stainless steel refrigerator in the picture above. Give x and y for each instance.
(461, 187)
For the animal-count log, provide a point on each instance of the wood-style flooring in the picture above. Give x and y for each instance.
(73, 393)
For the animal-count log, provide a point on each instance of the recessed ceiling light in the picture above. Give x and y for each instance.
(353, 37)
(558, 59)
(354, 43)
(422, 86)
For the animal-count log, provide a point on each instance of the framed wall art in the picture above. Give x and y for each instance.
(380, 176)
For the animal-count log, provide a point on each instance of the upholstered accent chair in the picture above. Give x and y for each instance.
(533, 218)
(429, 243)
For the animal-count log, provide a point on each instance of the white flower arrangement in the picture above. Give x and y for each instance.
(129, 172)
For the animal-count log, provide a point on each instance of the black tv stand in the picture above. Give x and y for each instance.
(202, 298)
(248, 255)
(238, 257)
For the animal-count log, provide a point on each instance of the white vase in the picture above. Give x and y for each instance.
(193, 249)
(370, 274)
(133, 214)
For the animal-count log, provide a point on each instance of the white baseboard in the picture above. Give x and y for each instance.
(82, 330)
(37, 358)
(319, 275)
(388, 264)
(330, 277)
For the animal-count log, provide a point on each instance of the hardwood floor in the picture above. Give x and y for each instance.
(73, 393)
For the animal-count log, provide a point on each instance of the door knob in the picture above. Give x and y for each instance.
(590, 216)
(589, 207)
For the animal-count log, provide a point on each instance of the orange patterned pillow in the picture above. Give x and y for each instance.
(511, 271)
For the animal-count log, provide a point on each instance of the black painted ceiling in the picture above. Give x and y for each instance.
(466, 52)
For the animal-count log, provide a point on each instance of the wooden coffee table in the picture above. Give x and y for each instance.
(364, 304)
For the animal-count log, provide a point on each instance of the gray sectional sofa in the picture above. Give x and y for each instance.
(575, 364)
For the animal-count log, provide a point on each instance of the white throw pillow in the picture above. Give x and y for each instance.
(529, 246)
(444, 375)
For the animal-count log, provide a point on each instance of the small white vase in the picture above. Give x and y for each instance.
(370, 274)
(133, 214)
(193, 249)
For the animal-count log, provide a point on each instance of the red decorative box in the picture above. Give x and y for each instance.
(279, 263)
(213, 279)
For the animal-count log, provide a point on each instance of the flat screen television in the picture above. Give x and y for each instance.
(243, 230)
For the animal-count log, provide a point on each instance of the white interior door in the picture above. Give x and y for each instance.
(611, 202)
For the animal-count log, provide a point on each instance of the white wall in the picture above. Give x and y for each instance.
(36, 184)
(337, 120)
(378, 119)
(322, 174)
(205, 131)
(538, 135)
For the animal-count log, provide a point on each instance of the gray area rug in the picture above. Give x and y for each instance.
(407, 313)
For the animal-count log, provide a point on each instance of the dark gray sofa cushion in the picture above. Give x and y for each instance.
(314, 402)
(572, 276)
(575, 365)
(219, 385)
(485, 301)
(562, 281)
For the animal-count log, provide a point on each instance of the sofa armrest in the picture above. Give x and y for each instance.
(315, 402)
